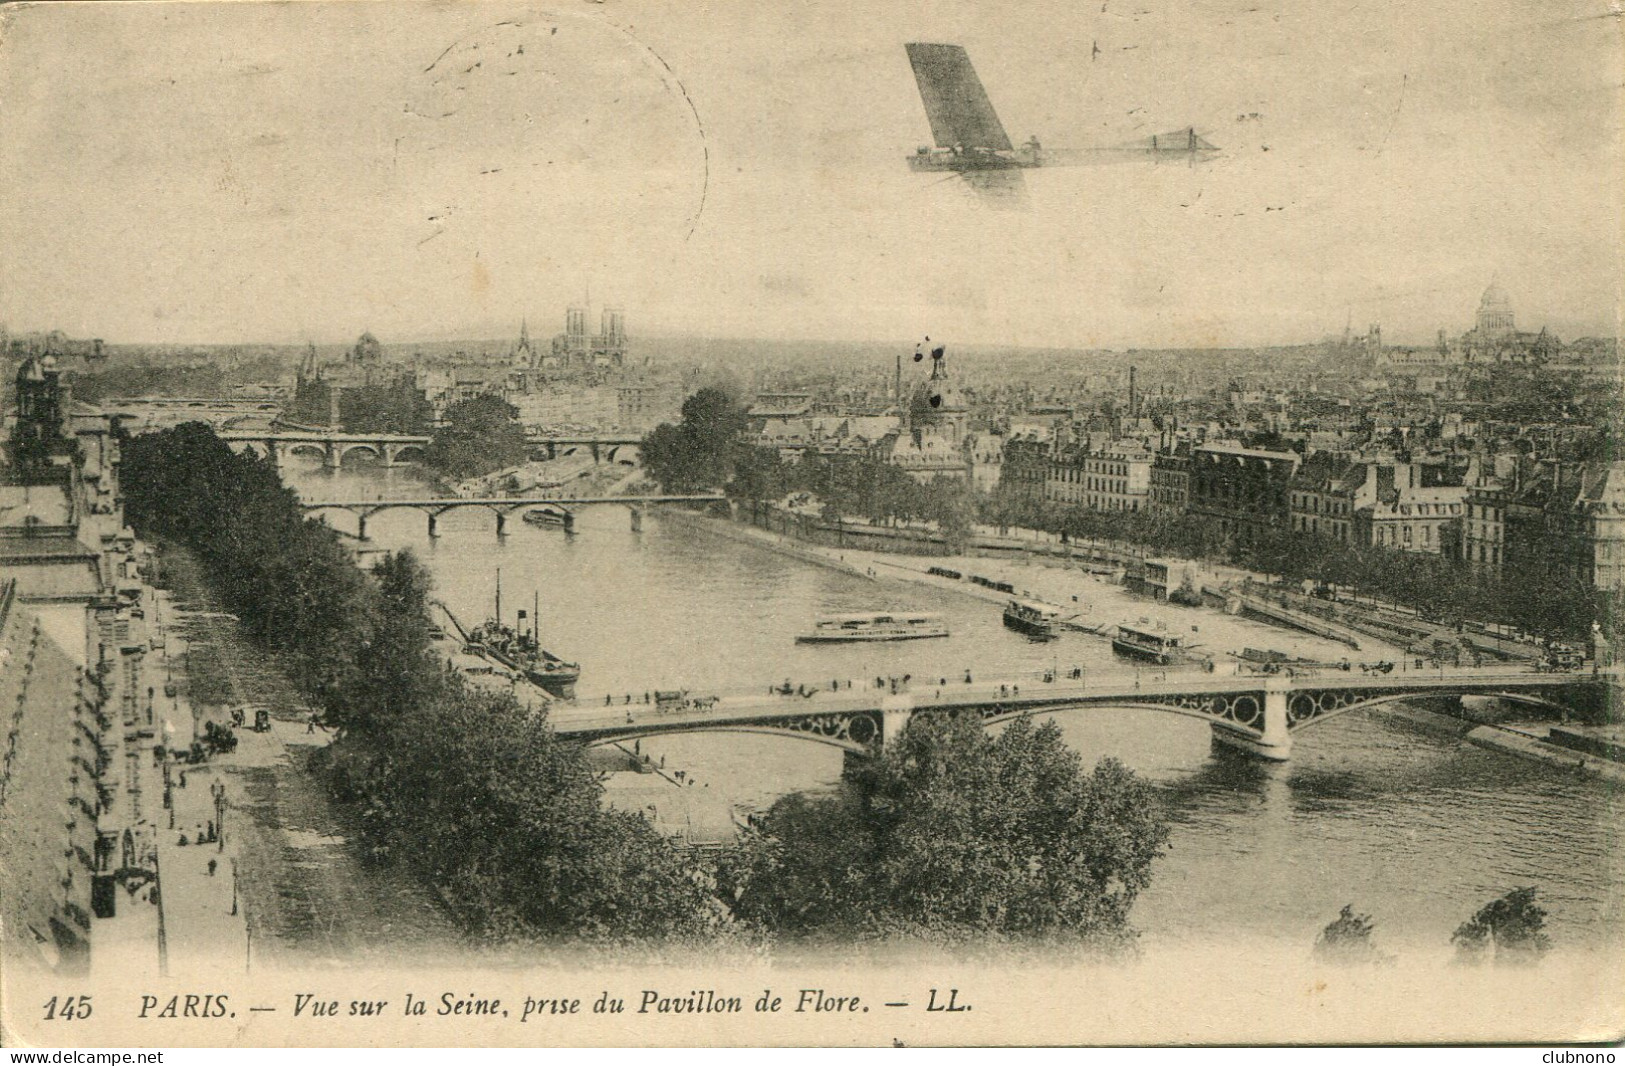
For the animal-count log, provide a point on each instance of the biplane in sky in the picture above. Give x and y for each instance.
(971, 142)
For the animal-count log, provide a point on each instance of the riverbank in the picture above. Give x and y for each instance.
(784, 545)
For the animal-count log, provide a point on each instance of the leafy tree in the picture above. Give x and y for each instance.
(398, 407)
(1509, 930)
(702, 449)
(954, 834)
(1348, 940)
(477, 436)
(485, 802)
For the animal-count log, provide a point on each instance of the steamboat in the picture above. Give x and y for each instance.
(1153, 644)
(1032, 618)
(858, 628)
(522, 652)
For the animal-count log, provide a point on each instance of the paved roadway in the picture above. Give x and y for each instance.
(591, 714)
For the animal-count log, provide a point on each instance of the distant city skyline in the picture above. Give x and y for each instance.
(272, 174)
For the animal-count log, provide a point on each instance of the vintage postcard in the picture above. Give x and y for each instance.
(642, 522)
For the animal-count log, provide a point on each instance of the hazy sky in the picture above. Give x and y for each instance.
(236, 172)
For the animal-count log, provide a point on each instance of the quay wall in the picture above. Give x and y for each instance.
(1525, 746)
(48, 796)
(749, 534)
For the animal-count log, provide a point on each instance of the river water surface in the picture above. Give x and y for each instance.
(1401, 818)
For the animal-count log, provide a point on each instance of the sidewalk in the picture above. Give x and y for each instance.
(202, 926)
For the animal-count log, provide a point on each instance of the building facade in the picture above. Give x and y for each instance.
(1245, 492)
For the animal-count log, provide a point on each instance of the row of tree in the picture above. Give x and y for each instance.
(476, 794)
(1535, 600)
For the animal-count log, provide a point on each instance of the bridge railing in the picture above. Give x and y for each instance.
(591, 711)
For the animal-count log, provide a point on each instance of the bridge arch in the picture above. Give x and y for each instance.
(370, 449)
(1301, 714)
(624, 454)
(1245, 709)
(399, 452)
(258, 449)
(306, 447)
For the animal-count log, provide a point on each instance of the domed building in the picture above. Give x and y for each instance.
(1494, 337)
(1494, 312)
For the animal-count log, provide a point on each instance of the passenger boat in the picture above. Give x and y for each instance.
(1144, 641)
(543, 516)
(853, 628)
(1031, 618)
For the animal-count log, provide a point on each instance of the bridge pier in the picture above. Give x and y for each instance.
(895, 711)
(637, 520)
(434, 524)
(361, 525)
(331, 458)
(502, 523)
(1275, 742)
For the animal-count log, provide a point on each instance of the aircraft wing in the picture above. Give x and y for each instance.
(1179, 144)
(955, 102)
(1005, 190)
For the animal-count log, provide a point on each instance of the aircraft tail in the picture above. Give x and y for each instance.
(961, 114)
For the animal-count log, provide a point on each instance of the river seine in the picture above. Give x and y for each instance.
(1404, 820)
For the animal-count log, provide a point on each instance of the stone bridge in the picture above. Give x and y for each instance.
(390, 449)
(1257, 713)
(603, 447)
(500, 506)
